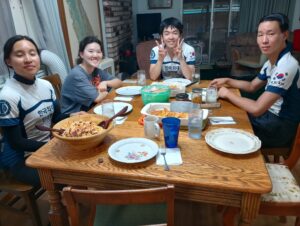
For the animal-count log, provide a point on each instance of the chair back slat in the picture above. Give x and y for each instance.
(73, 197)
(55, 80)
(295, 151)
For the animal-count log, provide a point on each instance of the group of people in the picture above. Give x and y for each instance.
(26, 101)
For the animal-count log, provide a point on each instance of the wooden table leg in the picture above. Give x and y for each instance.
(57, 212)
(249, 208)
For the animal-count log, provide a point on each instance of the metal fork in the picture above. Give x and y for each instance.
(163, 153)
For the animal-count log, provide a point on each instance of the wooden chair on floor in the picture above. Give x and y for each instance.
(284, 199)
(112, 202)
(55, 80)
(19, 198)
(143, 50)
(277, 153)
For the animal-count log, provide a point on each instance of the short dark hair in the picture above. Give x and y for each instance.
(84, 42)
(9, 45)
(170, 22)
(281, 18)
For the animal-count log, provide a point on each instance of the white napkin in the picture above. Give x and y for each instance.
(221, 120)
(133, 81)
(120, 120)
(173, 157)
(123, 98)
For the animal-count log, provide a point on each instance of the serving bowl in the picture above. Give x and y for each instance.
(174, 106)
(84, 142)
(155, 94)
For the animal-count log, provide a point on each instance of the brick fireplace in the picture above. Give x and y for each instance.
(118, 26)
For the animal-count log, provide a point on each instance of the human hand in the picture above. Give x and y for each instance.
(162, 52)
(78, 113)
(223, 92)
(178, 49)
(102, 86)
(219, 82)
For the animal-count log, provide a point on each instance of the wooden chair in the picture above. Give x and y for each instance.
(143, 50)
(14, 192)
(54, 79)
(75, 197)
(284, 199)
(283, 152)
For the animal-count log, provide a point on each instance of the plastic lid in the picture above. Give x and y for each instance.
(182, 96)
(197, 90)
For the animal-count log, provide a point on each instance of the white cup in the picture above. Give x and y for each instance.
(141, 77)
(151, 127)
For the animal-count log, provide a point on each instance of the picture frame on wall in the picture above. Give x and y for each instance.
(159, 4)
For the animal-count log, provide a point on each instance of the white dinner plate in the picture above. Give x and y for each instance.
(133, 150)
(233, 141)
(117, 106)
(129, 90)
(183, 81)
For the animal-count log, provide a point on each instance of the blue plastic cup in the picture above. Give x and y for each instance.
(171, 128)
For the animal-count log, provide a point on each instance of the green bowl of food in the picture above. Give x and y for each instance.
(155, 94)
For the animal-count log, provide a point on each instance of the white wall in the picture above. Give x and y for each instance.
(296, 21)
(141, 6)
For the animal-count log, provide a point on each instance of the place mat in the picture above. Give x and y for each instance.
(123, 98)
(173, 157)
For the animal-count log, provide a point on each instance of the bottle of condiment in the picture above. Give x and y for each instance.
(182, 97)
(197, 95)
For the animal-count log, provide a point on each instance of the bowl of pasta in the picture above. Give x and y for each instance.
(82, 131)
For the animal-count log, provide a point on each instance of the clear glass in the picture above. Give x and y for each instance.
(108, 108)
(141, 77)
(211, 94)
(196, 96)
(195, 123)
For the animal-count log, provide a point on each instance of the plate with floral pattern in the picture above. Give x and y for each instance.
(133, 150)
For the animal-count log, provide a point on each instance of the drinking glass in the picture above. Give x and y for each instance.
(171, 128)
(211, 94)
(195, 123)
(141, 77)
(108, 108)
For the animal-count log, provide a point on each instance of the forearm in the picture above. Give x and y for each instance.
(239, 84)
(18, 142)
(114, 83)
(155, 70)
(100, 97)
(187, 70)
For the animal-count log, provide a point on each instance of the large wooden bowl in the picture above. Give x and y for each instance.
(81, 143)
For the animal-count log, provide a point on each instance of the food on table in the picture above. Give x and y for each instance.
(82, 129)
(166, 113)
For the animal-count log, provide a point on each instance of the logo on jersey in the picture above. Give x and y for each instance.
(4, 108)
(279, 79)
(280, 76)
(152, 54)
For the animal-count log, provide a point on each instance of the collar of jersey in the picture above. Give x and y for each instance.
(21, 79)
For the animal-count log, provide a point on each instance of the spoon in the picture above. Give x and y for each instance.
(105, 123)
(44, 128)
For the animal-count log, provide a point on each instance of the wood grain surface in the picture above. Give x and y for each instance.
(206, 175)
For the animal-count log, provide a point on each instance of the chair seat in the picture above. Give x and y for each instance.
(285, 187)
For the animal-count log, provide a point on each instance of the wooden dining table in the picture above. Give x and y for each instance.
(206, 175)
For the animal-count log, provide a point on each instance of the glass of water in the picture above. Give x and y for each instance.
(195, 123)
(211, 94)
(141, 77)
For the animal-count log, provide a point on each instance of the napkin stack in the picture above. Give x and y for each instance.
(221, 120)
(173, 157)
(123, 98)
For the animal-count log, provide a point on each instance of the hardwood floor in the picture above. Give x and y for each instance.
(186, 214)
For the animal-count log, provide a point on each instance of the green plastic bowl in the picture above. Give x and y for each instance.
(155, 94)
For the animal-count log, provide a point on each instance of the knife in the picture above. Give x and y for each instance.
(192, 83)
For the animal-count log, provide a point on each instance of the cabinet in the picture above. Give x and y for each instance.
(207, 26)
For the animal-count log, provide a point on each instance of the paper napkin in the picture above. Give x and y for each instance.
(132, 81)
(123, 98)
(173, 157)
(120, 120)
(221, 120)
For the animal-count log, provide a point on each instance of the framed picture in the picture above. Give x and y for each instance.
(159, 4)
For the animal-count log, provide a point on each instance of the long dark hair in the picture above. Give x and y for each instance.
(9, 45)
(84, 42)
